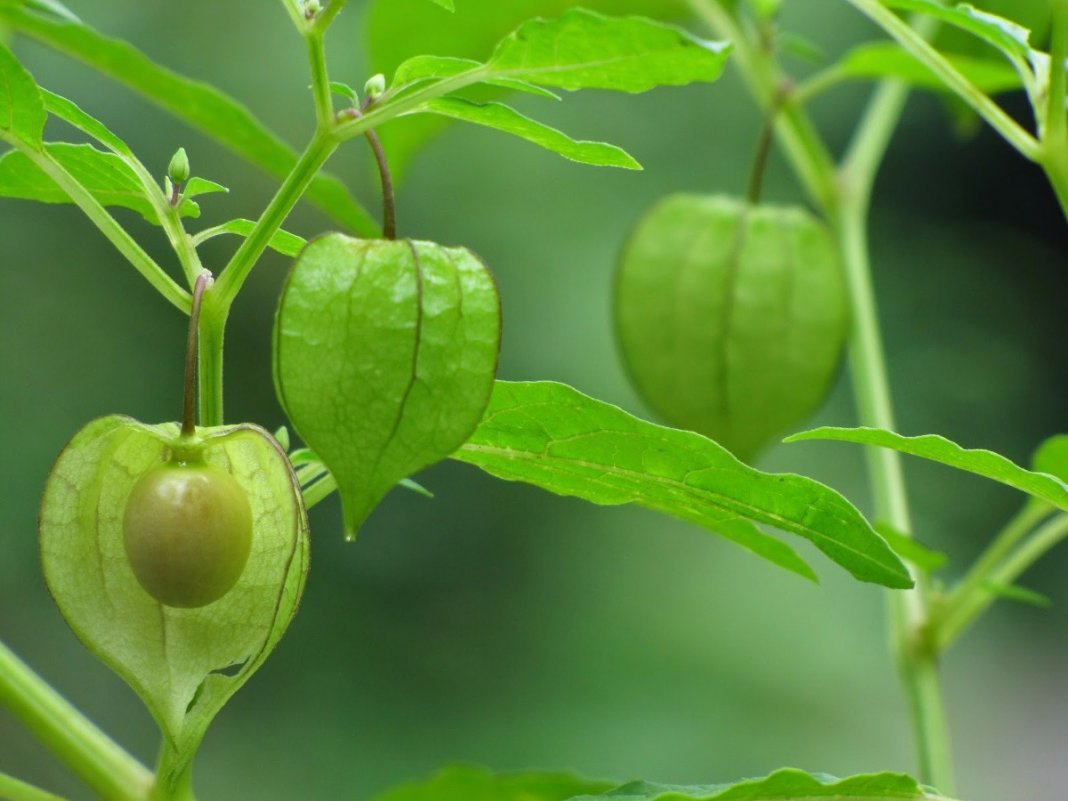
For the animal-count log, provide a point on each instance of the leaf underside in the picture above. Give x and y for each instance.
(556, 438)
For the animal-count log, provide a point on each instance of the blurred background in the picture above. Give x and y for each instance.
(499, 625)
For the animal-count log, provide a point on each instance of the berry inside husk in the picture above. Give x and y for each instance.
(187, 531)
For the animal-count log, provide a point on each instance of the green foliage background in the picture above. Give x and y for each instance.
(499, 625)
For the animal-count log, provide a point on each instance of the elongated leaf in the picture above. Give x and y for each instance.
(446, 4)
(22, 114)
(1052, 457)
(556, 438)
(398, 30)
(284, 242)
(507, 119)
(72, 114)
(1005, 35)
(385, 354)
(585, 50)
(468, 783)
(939, 449)
(879, 60)
(198, 104)
(107, 176)
(783, 785)
(173, 658)
(1017, 594)
(423, 68)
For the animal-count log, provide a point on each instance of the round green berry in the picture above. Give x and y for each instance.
(187, 530)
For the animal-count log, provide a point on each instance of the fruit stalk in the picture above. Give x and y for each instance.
(189, 399)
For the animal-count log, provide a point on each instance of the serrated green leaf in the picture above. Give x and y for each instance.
(66, 110)
(505, 118)
(384, 358)
(1052, 457)
(556, 438)
(283, 242)
(173, 658)
(469, 783)
(107, 176)
(1020, 595)
(582, 49)
(22, 113)
(910, 550)
(782, 785)
(198, 104)
(731, 318)
(878, 60)
(939, 449)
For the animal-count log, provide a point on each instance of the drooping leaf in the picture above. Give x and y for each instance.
(184, 663)
(507, 119)
(107, 176)
(283, 242)
(1052, 457)
(385, 354)
(878, 60)
(582, 49)
(198, 104)
(782, 785)
(1017, 594)
(22, 114)
(731, 318)
(939, 449)
(468, 783)
(556, 438)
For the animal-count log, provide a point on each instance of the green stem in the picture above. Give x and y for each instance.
(211, 333)
(320, 490)
(956, 610)
(328, 14)
(1034, 548)
(324, 102)
(13, 789)
(973, 598)
(232, 278)
(915, 44)
(796, 133)
(295, 14)
(178, 787)
(1056, 128)
(110, 228)
(845, 197)
(102, 764)
(909, 611)
(191, 356)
